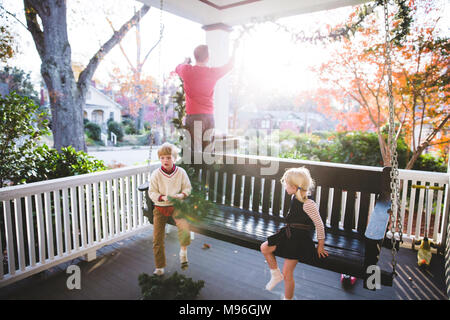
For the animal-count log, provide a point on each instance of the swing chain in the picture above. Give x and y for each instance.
(395, 183)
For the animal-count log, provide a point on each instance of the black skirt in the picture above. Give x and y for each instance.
(299, 246)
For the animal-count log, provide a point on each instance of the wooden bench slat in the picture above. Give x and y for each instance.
(220, 181)
(228, 187)
(363, 212)
(267, 195)
(349, 221)
(256, 194)
(237, 191)
(277, 199)
(247, 192)
(212, 185)
(336, 208)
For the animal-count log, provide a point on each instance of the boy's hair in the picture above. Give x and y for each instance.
(299, 177)
(167, 149)
(201, 53)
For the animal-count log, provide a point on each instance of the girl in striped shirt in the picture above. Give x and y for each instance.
(294, 242)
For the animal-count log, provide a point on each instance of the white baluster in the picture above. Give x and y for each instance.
(49, 225)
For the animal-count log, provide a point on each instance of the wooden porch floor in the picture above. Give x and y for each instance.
(230, 272)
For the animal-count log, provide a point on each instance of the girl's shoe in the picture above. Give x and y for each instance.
(158, 271)
(183, 259)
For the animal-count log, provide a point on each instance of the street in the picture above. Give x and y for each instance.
(127, 156)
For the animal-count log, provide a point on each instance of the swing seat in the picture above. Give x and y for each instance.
(248, 223)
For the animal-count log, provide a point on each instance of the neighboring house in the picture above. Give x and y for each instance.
(100, 108)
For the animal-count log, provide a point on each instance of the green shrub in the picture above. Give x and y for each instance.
(21, 125)
(176, 287)
(129, 126)
(357, 147)
(115, 128)
(93, 131)
(427, 162)
(45, 163)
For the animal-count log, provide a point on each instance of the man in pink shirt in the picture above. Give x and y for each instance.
(199, 82)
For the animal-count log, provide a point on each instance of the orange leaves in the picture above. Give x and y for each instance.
(132, 90)
(354, 85)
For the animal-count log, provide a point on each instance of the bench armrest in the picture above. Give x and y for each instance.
(144, 186)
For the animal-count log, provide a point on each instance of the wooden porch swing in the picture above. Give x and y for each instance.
(252, 206)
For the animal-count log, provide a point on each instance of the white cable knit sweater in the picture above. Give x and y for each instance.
(163, 184)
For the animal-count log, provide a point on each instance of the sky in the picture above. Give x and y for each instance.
(267, 58)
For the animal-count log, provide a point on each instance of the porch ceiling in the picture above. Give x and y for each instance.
(235, 12)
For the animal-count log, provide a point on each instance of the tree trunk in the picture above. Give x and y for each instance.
(53, 46)
(67, 97)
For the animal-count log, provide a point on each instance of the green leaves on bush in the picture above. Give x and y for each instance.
(93, 131)
(357, 147)
(115, 128)
(44, 163)
(176, 287)
(21, 125)
(196, 207)
(129, 126)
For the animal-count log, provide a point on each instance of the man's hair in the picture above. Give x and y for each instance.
(201, 53)
(167, 149)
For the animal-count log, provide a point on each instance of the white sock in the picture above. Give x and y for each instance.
(159, 271)
(183, 256)
(276, 277)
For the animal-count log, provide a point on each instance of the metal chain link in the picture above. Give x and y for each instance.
(392, 142)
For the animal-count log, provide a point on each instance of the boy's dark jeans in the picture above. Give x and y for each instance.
(204, 135)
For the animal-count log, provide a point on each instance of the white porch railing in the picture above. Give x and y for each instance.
(50, 222)
(413, 202)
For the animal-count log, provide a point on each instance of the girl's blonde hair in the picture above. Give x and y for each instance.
(168, 149)
(299, 178)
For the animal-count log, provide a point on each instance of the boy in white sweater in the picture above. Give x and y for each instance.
(168, 181)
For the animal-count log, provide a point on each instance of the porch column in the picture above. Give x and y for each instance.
(217, 39)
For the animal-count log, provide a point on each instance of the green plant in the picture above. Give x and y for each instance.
(180, 108)
(129, 126)
(196, 207)
(115, 128)
(176, 287)
(93, 131)
(427, 162)
(44, 163)
(355, 147)
(20, 128)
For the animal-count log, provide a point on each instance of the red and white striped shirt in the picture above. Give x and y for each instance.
(310, 207)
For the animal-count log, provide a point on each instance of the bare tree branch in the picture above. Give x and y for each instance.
(120, 46)
(33, 25)
(14, 16)
(152, 48)
(88, 72)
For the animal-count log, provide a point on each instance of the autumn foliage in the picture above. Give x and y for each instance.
(355, 88)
